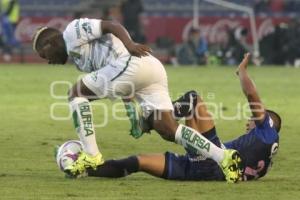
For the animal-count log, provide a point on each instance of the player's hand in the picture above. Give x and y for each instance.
(138, 50)
(244, 64)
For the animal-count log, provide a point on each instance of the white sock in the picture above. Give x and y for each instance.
(83, 122)
(194, 141)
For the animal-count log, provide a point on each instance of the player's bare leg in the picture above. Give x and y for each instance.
(79, 97)
(170, 130)
(191, 139)
(200, 119)
(153, 164)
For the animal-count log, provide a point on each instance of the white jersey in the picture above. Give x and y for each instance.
(90, 49)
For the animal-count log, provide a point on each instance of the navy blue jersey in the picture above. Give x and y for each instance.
(257, 149)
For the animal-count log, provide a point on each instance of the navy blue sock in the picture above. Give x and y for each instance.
(116, 168)
(212, 136)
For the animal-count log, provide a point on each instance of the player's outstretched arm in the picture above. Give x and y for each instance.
(119, 31)
(249, 89)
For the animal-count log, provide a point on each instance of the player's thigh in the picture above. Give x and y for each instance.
(148, 71)
(151, 92)
(109, 82)
(79, 89)
(176, 166)
(154, 97)
(201, 120)
(113, 81)
(183, 167)
(151, 84)
(153, 164)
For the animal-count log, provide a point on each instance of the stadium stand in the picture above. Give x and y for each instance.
(183, 8)
(169, 8)
(35, 9)
(51, 7)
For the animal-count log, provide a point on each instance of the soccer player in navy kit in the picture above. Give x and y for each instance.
(261, 142)
(257, 147)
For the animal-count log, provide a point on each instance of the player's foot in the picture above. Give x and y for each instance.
(84, 161)
(139, 125)
(232, 166)
(82, 175)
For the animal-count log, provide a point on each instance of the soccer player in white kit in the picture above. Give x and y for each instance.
(117, 66)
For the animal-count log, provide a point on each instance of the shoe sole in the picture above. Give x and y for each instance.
(236, 166)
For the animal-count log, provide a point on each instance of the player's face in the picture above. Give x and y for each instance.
(250, 125)
(54, 55)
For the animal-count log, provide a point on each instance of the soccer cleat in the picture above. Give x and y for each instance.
(139, 125)
(84, 161)
(232, 166)
(82, 175)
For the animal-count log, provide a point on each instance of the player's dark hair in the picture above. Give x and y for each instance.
(43, 35)
(53, 37)
(276, 119)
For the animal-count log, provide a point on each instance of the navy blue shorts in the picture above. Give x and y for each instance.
(186, 167)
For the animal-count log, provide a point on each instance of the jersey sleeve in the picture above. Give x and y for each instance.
(82, 31)
(266, 131)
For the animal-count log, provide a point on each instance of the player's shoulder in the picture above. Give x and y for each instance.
(266, 131)
(71, 30)
(83, 28)
(74, 25)
(267, 123)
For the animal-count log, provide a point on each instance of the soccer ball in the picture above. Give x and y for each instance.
(68, 153)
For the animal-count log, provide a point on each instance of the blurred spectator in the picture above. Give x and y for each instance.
(194, 50)
(282, 46)
(10, 14)
(294, 41)
(166, 50)
(11, 9)
(2, 43)
(202, 50)
(234, 49)
(131, 10)
(274, 47)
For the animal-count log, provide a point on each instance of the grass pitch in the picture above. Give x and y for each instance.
(28, 135)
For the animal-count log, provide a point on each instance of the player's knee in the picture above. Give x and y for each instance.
(185, 105)
(72, 93)
(80, 90)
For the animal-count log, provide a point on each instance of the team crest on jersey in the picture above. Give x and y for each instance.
(87, 27)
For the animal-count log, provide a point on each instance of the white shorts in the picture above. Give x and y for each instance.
(144, 78)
